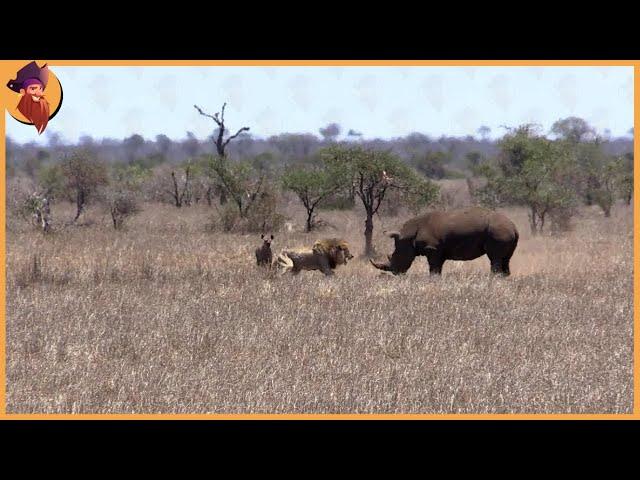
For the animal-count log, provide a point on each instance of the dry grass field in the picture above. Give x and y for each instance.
(167, 317)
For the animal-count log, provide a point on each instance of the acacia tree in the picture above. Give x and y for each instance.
(474, 159)
(590, 159)
(531, 171)
(609, 176)
(431, 164)
(600, 177)
(615, 180)
(83, 175)
(625, 181)
(163, 144)
(53, 181)
(372, 173)
(132, 146)
(573, 129)
(484, 132)
(312, 186)
(330, 132)
(121, 196)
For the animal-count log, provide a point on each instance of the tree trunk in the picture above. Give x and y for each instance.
(533, 221)
(176, 191)
(209, 194)
(80, 199)
(219, 142)
(309, 220)
(368, 235)
(114, 217)
(44, 215)
(588, 199)
(186, 191)
(241, 209)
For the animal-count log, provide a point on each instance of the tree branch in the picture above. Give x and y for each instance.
(186, 184)
(214, 117)
(176, 193)
(325, 195)
(380, 198)
(361, 192)
(243, 129)
(254, 194)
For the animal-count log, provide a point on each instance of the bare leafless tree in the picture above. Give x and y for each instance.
(218, 117)
(221, 145)
(180, 196)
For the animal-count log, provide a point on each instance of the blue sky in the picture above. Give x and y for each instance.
(381, 102)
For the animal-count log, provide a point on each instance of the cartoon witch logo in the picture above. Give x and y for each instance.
(34, 106)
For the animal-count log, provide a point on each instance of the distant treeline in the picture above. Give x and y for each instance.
(448, 155)
(550, 174)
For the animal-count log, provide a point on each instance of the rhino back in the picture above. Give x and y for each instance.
(435, 227)
(501, 228)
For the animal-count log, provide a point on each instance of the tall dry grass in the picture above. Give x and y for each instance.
(166, 317)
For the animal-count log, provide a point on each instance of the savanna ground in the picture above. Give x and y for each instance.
(167, 317)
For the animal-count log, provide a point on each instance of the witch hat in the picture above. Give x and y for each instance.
(30, 71)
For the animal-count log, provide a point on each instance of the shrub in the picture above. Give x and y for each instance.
(561, 219)
(261, 217)
(122, 205)
(340, 201)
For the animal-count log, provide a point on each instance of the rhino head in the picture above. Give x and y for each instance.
(401, 259)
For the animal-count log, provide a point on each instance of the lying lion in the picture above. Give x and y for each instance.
(325, 255)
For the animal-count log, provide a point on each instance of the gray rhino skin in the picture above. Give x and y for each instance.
(463, 234)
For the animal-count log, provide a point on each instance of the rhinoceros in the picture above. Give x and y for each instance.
(463, 234)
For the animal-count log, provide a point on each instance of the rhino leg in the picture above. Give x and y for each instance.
(435, 265)
(505, 267)
(500, 266)
(496, 265)
(499, 254)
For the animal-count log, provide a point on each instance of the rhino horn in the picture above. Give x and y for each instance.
(380, 266)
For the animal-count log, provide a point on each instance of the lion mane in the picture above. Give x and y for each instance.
(325, 255)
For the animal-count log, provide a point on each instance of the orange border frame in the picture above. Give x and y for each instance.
(4, 67)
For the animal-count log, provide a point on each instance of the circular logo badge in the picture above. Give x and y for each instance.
(27, 107)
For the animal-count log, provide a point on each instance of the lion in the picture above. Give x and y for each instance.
(325, 255)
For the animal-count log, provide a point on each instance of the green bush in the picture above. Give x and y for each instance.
(261, 217)
(338, 202)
